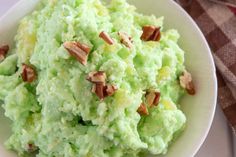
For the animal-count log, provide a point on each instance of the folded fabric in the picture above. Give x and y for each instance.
(218, 23)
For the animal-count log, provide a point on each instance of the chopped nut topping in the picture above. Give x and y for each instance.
(125, 39)
(78, 50)
(106, 38)
(99, 90)
(97, 77)
(110, 90)
(186, 82)
(152, 98)
(3, 52)
(151, 33)
(142, 110)
(103, 91)
(28, 73)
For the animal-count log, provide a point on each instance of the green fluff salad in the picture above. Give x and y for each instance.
(86, 78)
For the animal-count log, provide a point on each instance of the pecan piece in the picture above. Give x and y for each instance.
(103, 91)
(28, 73)
(152, 98)
(110, 90)
(125, 39)
(99, 90)
(151, 33)
(97, 77)
(78, 50)
(106, 38)
(3, 52)
(186, 82)
(142, 110)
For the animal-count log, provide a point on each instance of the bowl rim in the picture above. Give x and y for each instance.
(198, 145)
(213, 71)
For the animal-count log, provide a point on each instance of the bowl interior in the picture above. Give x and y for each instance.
(199, 109)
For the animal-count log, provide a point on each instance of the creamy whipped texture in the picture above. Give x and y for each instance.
(57, 115)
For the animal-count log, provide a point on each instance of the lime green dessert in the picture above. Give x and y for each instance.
(93, 79)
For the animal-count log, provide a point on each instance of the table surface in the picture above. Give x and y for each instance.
(219, 142)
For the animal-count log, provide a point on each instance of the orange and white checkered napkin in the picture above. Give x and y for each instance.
(218, 24)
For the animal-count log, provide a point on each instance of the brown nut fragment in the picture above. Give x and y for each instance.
(3, 52)
(28, 73)
(151, 33)
(125, 39)
(99, 90)
(152, 98)
(78, 50)
(103, 91)
(142, 110)
(110, 90)
(106, 38)
(97, 77)
(186, 82)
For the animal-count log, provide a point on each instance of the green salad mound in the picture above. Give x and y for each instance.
(92, 79)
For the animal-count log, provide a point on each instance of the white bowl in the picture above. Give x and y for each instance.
(199, 109)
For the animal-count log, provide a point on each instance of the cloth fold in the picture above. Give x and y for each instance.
(218, 23)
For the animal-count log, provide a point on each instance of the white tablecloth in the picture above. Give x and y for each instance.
(219, 142)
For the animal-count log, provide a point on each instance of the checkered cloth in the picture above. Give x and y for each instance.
(218, 24)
